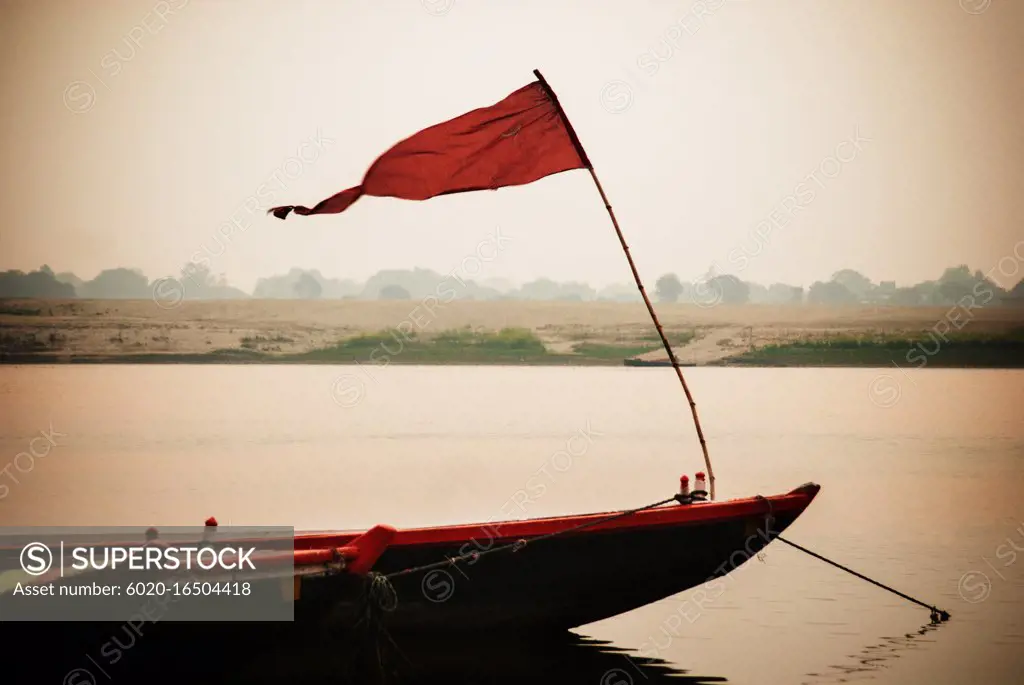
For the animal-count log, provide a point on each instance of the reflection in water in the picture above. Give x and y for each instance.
(567, 659)
(495, 660)
(874, 657)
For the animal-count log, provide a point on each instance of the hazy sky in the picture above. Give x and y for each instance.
(133, 131)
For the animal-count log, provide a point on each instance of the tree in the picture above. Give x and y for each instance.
(307, 287)
(573, 290)
(540, 289)
(118, 283)
(619, 292)
(71, 279)
(419, 283)
(394, 292)
(729, 289)
(41, 284)
(905, 297)
(954, 291)
(956, 274)
(854, 281)
(780, 293)
(831, 293)
(668, 288)
(758, 294)
(198, 275)
(984, 285)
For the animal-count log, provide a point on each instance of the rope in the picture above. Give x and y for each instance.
(521, 543)
(381, 593)
(374, 646)
(937, 615)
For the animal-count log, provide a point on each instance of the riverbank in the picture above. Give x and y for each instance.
(499, 332)
(508, 346)
(511, 347)
(964, 352)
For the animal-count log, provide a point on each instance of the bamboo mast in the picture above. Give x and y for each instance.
(636, 276)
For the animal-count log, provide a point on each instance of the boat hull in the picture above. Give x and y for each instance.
(560, 582)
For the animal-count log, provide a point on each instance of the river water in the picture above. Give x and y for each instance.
(921, 475)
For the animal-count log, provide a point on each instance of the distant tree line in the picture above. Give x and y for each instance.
(196, 282)
(956, 285)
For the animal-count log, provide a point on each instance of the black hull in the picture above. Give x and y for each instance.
(551, 585)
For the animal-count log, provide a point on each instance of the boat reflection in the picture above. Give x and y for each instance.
(566, 658)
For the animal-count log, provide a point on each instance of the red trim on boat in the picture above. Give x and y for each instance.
(322, 547)
(669, 515)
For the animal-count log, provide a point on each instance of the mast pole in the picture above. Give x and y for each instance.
(636, 276)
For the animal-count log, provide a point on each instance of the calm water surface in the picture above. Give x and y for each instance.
(921, 478)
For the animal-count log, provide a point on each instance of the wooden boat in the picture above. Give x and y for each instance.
(560, 582)
(537, 574)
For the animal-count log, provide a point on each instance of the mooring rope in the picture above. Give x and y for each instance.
(522, 542)
(375, 651)
(937, 615)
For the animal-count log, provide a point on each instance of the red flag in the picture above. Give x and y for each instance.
(516, 141)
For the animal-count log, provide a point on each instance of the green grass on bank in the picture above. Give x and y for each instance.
(612, 352)
(15, 310)
(523, 346)
(676, 337)
(459, 346)
(919, 350)
(509, 345)
(463, 346)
